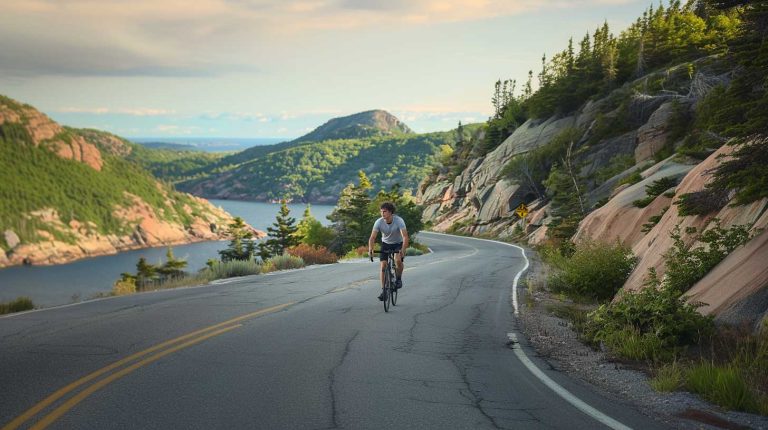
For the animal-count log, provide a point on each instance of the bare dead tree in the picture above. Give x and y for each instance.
(569, 168)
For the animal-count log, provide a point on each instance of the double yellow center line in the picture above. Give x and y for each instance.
(150, 355)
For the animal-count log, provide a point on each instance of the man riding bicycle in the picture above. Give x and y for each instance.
(394, 238)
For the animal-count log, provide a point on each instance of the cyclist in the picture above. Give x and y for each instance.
(394, 237)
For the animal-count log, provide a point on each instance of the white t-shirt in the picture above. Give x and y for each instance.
(390, 233)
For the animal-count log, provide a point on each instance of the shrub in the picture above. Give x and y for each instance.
(359, 252)
(420, 246)
(313, 254)
(412, 252)
(232, 268)
(595, 270)
(685, 266)
(18, 305)
(659, 313)
(282, 262)
(631, 179)
(652, 221)
(702, 202)
(654, 190)
(124, 287)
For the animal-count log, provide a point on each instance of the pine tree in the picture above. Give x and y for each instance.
(172, 267)
(146, 273)
(350, 217)
(282, 234)
(241, 246)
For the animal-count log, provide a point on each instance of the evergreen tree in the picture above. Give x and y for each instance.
(350, 217)
(172, 268)
(146, 273)
(241, 246)
(282, 234)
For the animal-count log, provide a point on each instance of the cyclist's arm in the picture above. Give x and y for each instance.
(371, 241)
(404, 233)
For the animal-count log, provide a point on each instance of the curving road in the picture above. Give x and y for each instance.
(309, 349)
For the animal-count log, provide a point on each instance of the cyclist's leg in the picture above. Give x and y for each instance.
(382, 272)
(399, 264)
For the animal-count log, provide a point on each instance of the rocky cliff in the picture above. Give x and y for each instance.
(482, 198)
(36, 230)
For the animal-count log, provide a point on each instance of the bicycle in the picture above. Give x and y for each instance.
(390, 277)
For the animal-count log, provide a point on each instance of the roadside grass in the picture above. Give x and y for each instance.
(282, 262)
(18, 305)
(723, 385)
(656, 328)
(668, 377)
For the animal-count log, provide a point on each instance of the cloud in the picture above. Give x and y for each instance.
(179, 38)
(120, 111)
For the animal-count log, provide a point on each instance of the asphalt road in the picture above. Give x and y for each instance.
(308, 349)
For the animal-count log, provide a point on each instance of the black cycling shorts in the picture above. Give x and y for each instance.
(386, 247)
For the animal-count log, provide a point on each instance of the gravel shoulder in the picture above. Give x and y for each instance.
(556, 342)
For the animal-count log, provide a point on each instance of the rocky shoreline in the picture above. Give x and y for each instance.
(554, 340)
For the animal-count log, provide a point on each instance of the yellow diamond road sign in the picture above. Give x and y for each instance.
(522, 210)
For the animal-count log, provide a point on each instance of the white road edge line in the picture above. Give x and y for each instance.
(554, 386)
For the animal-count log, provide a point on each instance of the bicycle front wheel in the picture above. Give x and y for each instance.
(387, 295)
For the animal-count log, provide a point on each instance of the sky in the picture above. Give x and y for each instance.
(279, 68)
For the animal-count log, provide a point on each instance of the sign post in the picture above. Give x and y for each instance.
(522, 212)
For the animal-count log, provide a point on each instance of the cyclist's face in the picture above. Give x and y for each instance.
(386, 214)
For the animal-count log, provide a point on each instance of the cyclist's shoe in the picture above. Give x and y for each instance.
(398, 284)
(383, 295)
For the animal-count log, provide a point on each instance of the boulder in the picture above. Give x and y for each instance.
(11, 239)
(653, 135)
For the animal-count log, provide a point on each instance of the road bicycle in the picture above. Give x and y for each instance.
(390, 277)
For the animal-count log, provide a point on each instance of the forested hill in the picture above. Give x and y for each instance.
(654, 137)
(318, 171)
(362, 125)
(314, 167)
(69, 193)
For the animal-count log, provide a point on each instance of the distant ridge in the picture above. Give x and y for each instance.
(361, 125)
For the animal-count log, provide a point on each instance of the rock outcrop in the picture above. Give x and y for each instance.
(54, 241)
(481, 199)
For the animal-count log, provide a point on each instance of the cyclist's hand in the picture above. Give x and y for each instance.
(370, 254)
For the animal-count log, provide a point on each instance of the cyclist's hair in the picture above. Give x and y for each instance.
(388, 206)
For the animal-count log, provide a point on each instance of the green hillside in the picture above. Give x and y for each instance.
(35, 178)
(318, 171)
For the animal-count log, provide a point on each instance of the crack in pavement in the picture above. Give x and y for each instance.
(411, 342)
(332, 380)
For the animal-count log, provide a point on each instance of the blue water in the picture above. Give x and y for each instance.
(212, 144)
(84, 279)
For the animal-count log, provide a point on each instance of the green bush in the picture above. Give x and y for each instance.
(595, 271)
(631, 179)
(685, 266)
(412, 252)
(701, 202)
(232, 268)
(282, 262)
(654, 190)
(659, 313)
(18, 305)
